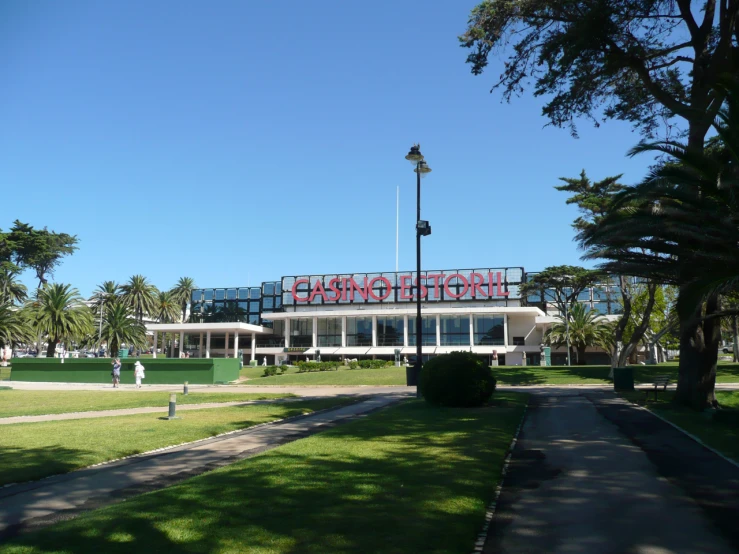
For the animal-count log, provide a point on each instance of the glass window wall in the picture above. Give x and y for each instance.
(390, 331)
(455, 330)
(301, 332)
(428, 331)
(359, 331)
(329, 331)
(489, 330)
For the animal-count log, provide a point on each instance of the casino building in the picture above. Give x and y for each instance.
(370, 315)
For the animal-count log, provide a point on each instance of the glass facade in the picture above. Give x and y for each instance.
(455, 330)
(489, 330)
(428, 331)
(329, 331)
(301, 332)
(390, 331)
(358, 331)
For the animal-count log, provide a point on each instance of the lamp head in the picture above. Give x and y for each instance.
(422, 168)
(415, 156)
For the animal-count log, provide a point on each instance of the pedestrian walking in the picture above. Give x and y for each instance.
(116, 373)
(138, 372)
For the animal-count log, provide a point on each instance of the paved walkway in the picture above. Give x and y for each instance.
(25, 506)
(132, 411)
(577, 484)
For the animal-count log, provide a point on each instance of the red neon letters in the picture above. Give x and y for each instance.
(474, 285)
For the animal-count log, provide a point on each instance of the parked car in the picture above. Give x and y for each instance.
(729, 349)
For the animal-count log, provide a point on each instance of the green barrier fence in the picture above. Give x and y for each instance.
(202, 371)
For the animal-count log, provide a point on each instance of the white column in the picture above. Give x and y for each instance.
(438, 330)
(182, 343)
(374, 330)
(236, 344)
(171, 347)
(287, 333)
(207, 344)
(200, 346)
(472, 330)
(505, 330)
(253, 347)
(343, 331)
(405, 330)
(225, 353)
(154, 350)
(315, 332)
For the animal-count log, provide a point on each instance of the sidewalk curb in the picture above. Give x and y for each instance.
(490, 512)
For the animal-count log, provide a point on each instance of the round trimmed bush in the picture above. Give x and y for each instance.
(460, 379)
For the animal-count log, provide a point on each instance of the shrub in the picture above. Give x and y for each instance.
(309, 367)
(270, 370)
(459, 379)
(373, 364)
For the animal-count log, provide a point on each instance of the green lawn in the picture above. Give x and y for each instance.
(4, 373)
(506, 375)
(29, 451)
(409, 479)
(26, 402)
(722, 436)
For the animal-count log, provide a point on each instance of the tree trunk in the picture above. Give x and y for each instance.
(580, 356)
(51, 348)
(698, 353)
(735, 332)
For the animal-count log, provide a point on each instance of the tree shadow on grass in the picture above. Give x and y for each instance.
(409, 479)
(19, 465)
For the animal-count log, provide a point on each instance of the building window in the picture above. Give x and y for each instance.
(359, 331)
(489, 330)
(428, 331)
(329, 331)
(519, 341)
(220, 294)
(455, 330)
(301, 332)
(208, 294)
(390, 331)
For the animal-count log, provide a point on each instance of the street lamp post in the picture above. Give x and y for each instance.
(422, 229)
(567, 332)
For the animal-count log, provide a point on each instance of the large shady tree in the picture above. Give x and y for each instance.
(682, 228)
(657, 64)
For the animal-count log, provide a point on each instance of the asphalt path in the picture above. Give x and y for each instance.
(579, 482)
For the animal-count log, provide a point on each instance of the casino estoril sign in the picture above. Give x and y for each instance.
(455, 286)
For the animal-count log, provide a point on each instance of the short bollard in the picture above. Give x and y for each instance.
(185, 389)
(172, 407)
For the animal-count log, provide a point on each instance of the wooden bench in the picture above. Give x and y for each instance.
(659, 381)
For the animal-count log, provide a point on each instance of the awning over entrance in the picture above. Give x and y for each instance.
(383, 350)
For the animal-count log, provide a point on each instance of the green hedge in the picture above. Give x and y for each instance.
(309, 367)
(201, 371)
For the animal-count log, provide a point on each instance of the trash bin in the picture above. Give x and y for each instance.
(123, 352)
(411, 376)
(623, 378)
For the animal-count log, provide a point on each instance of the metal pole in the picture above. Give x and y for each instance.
(100, 332)
(419, 333)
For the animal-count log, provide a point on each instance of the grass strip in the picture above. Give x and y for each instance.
(411, 478)
(30, 451)
(27, 402)
(506, 375)
(721, 435)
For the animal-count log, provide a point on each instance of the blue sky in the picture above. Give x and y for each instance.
(240, 141)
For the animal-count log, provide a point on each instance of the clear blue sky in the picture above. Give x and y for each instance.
(240, 141)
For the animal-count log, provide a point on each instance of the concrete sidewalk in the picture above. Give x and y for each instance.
(576, 484)
(25, 506)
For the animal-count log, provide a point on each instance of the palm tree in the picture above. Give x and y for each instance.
(11, 290)
(586, 328)
(58, 311)
(105, 294)
(167, 309)
(183, 293)
(139, 295)
(15, 327)
(121, 327)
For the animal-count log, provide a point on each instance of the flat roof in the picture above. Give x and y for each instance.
(226, 327)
